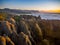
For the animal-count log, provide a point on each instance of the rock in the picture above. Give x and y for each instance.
(6, 28)
(25, 29)
(2, 40)
(36, 30)
(24, 38)
(5, 40)
(9, 41)
(45, 42)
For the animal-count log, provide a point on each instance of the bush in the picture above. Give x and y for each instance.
(3, 16)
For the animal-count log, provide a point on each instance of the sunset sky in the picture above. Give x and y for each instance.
(31, 4)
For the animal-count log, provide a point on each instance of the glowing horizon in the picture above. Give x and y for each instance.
(31, 4)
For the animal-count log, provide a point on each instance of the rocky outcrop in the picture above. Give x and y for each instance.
(2, 40)
(6, 28)
(24, 38)
(28, 31)
(5, 40)
(25, 29)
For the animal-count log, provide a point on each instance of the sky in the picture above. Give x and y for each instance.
(31, 4)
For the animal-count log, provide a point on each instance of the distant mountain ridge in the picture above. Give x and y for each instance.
(18, 11)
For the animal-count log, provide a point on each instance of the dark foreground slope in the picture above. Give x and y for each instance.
(29, 30)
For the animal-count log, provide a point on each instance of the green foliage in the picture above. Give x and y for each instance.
(17, 18)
